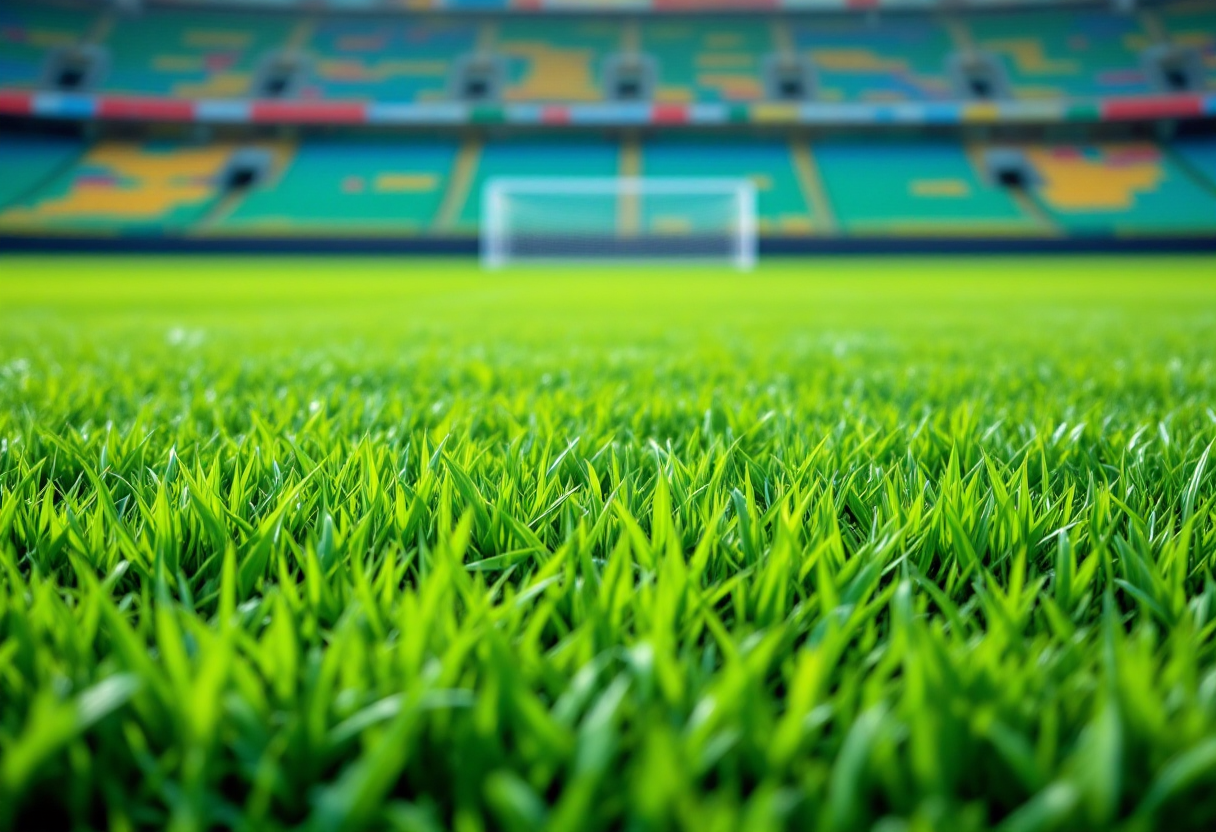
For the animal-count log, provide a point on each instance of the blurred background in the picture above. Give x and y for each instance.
(377, 124)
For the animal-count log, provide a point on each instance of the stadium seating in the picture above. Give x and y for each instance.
(29, 162)
(1068, 52)
(376, 187)
(782, 205)
(1193, 24)
(886, 59)
(914, 187)
(125, 187)
(568, 157)
(319, 180)
(347, 187)
(1198, 155)
(1121, 189)
(556, 59)
(195, 54)
(1051, 53)
(708, 59)
(29, 32)
(386, 59)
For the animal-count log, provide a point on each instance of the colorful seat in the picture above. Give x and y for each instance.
(30, 162)
(781, 205)
(1198, 156)
(125, 187)
(886, 59)
(348, 187)
(1193, 24)
(1121, 189)
(714, 59)
(557, 157)
(1054, 53)
(927, 187)
(29, 32)
(556, 59)
(394, 59)
(195, 54)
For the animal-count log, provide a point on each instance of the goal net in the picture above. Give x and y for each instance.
(618, 219)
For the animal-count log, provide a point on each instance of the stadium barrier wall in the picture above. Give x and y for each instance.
(469, 246)
(65, 106)
(599, 6)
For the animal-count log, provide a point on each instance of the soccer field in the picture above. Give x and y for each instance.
(839, 544)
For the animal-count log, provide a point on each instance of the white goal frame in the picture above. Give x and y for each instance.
(495, 252)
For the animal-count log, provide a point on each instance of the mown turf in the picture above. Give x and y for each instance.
(838, 545)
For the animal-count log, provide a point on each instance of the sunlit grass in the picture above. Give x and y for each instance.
(398, 545)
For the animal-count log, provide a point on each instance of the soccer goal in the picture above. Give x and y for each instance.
(573, 220)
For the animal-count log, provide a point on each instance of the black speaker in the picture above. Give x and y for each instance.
(788, 78)
(978, 76)
(76, 68)
(630, 78)
(478, 78)
(280, 75)
(1174, 69)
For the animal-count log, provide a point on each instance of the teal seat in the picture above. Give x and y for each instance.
(31, 31)
(350, 187)
(912, 187)
(781, 206)
(192, 54)
(528, 158)
(26, 162)
(1074, 53)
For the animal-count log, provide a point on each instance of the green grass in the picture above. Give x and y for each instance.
(843, 544)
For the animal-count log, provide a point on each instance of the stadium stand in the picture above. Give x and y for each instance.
(386, 59)
(789, 200)
(714, 59)
(1198, 156)
(1193, 24)
(883, 142)
(199, 54)
(345, 187)
(899, 58)
(919, 187)
(559, 59)
(375, 187)
(1051, 53)
(1121, 189)
(29, 32)
(557, 157)
(28, 162)
(125, 187)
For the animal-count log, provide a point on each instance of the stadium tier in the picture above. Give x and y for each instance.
(345, 187)
(553, 59)
(28, 163)
(384, 58)
(856, 59)
(29, 32)
(1198, 156)
(118, 186)
(204, 54)
(910, 188)
(824, 188)
(908, 120)
(714, 59)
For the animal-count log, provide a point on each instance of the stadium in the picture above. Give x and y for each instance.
(1039, 123)
(588, 415)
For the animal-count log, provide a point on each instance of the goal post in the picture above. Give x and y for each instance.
(618, 219)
